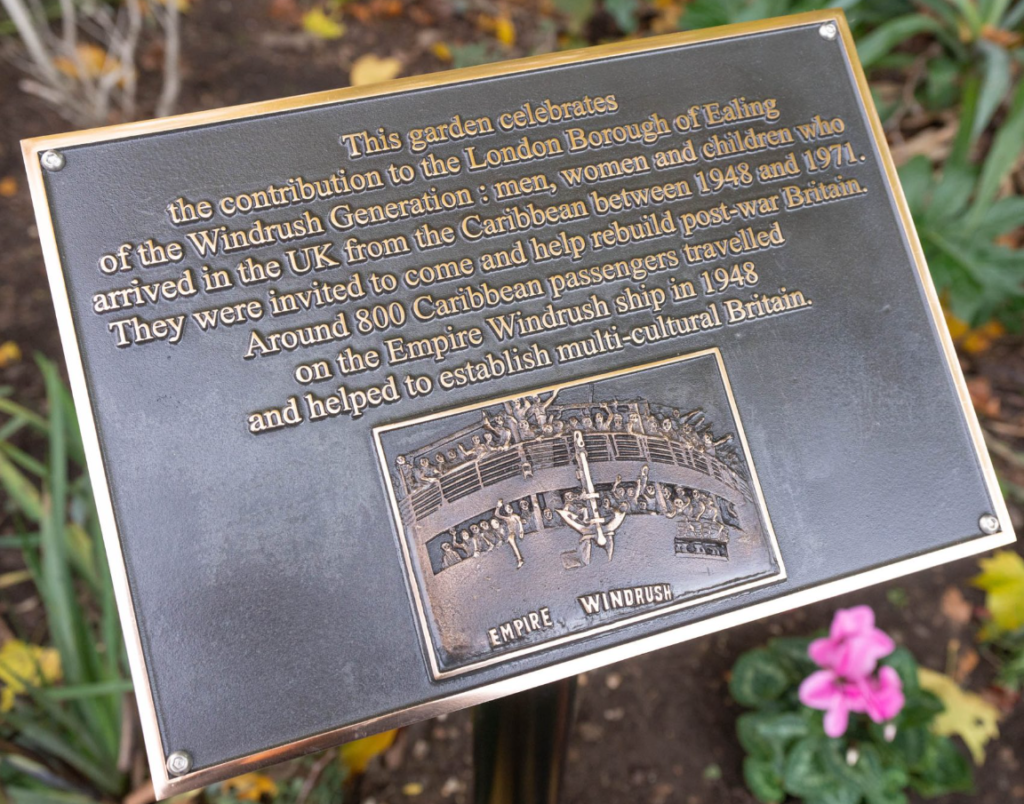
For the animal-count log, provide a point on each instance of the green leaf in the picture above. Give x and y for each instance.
(995, 83)
(56, 585)
(625, 14)
(14, 410)
(1003, 216)
(763, 780)
(992, 11)
(903, 662)
(758, 678)
(767, 734)
(891, 34)
(950, 196)
(24, 495)
(804, 773)
(1006, 149)
(119, 686)
(23, 795)
(1014, 18)
(942, 769)
(577, 12)
(942, 83)
(792, 651)
(916, 179)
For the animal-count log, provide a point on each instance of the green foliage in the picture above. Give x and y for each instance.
(979, 46)
(61, 743)
(959, 218)
(788, 753)
(709, 13)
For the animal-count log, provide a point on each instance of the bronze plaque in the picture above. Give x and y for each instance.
(401, 398)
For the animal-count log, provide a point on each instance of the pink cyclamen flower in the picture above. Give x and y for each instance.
(883, 695)
(838, 697)
(853, 646)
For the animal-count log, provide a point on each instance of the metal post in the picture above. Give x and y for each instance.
(519, 745)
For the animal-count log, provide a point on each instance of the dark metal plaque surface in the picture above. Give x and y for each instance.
(401, 398)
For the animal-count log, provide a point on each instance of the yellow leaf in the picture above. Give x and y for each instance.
(370, 69)
(251, 786)
(412, 789)
(981, 339)
(357, 754)
(966, 714)
(90, 61)
(8, 186)
(317, 23)
(957, 326)
(441, 51)
(505, 31)
(10, 353)
(23, 665)
(1002, 578)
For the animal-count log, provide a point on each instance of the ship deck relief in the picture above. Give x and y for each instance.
(537, 518)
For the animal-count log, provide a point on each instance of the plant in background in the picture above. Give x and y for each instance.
(960, 219)
(67, 732)
(1002, 631)
(87, 70)
(65, 721)
(841, 720)
(977, 44)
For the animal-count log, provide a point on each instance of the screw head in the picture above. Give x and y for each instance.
(989, 524)
(52, 160)
(828, 31)
(179, 763)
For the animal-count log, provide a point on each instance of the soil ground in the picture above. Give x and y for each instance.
(658, 728)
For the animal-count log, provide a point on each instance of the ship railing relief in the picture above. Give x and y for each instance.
(531, 437)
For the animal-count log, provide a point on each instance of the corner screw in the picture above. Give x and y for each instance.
(52, 160)
(179, 763)
(828, 31)
(989, 524)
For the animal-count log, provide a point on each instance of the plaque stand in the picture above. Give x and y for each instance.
(519, 745)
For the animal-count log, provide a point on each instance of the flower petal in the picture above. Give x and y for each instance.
(823, 652)
(884, 695)
(836, 720)
(852, 622)
(820, 690)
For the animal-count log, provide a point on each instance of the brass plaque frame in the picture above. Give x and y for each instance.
(165, 785)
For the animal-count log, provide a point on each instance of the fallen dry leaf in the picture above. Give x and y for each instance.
(1002, 37)
(357, 754)
(320, 25)
(970, 716)
(23, 665)
(1002, 578)
(285, 11)
(371, 69)
(90, 61)
(505, 31)
(10, 353)
(251, 787)
(955, 606)
(985, 401)
(441, 51)
(981, 339)
(966, 664)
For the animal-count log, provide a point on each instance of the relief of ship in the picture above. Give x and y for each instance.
(569, 491)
